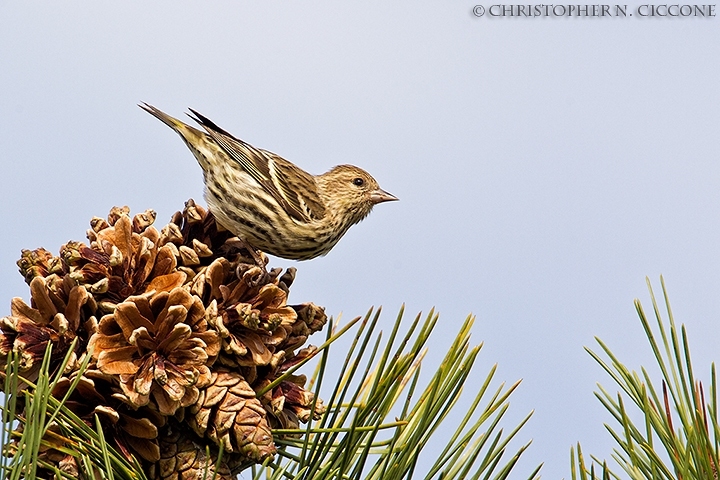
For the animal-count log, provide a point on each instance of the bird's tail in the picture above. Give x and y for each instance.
(191, 135)
(194, 138)
(171, 122)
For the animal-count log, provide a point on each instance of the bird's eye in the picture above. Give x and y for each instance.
(359, 182)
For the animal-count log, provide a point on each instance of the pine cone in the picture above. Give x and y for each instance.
(252, 322)
(228, 413)
(132, 430)
(182, 457)
(289, 404)
(191, 328)
(200, 240)
(160, 346)
(121, 259)
(54, 318)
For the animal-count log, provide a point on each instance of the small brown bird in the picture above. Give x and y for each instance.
(271, 203)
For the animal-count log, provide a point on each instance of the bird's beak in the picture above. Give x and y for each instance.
(379, 196)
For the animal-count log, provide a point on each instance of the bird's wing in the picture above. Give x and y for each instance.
(293, 188)
(296, 186)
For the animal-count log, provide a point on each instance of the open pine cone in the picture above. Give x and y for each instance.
(180, 324)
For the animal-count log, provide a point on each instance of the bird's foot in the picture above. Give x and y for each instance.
(258, 257)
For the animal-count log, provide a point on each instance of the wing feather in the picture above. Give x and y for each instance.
(293, 188)
(297, 186)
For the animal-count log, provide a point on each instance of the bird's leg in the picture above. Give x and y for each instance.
(253, 253)
(256, 280)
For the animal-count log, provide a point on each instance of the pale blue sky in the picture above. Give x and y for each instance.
(545, 166)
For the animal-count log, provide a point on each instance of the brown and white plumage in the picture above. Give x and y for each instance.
(270, 202)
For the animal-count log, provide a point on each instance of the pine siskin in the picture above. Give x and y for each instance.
(271, 203)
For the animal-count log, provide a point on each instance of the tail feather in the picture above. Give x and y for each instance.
(196, 140)
(171, 122)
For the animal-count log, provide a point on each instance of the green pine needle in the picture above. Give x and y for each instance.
(677, 436)
(383, 411)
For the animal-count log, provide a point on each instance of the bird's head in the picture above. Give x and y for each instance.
(351, 192)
